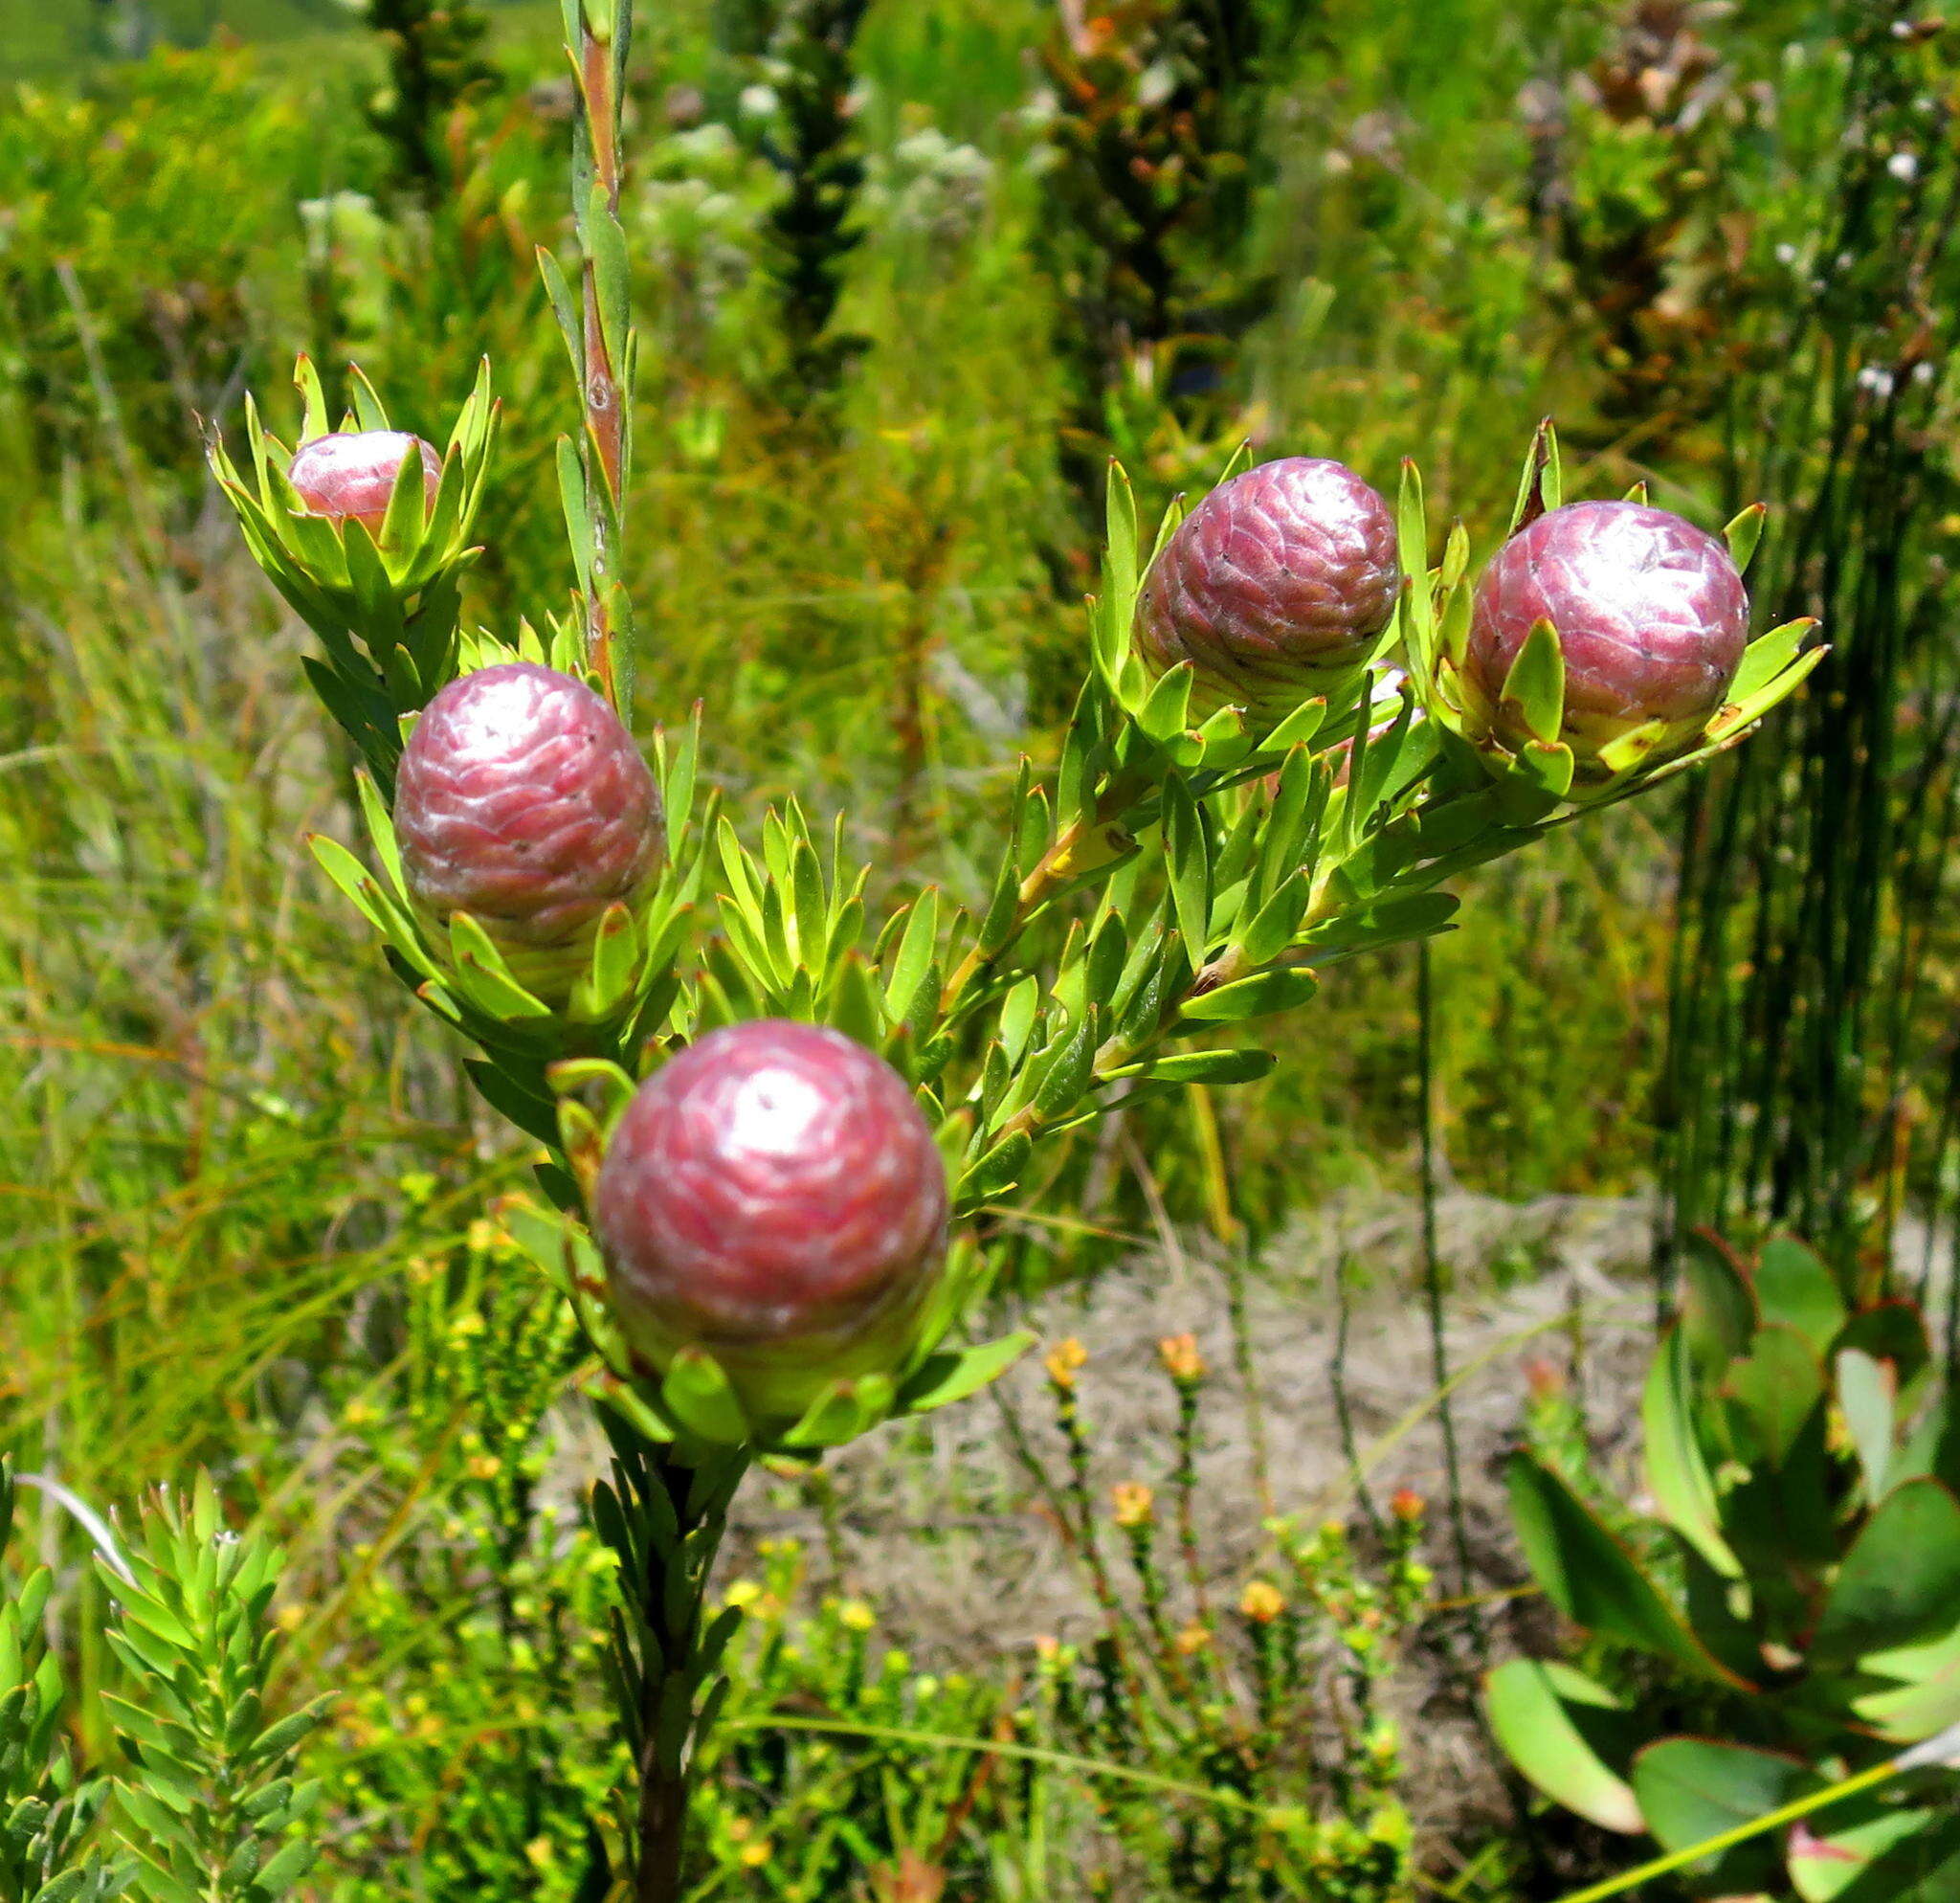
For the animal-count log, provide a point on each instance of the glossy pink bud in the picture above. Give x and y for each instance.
(1650, 613)
(523, 801)
(350, 476)
(774, 1195)
(1278, 581)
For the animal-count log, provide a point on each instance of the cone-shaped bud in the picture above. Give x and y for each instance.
(1651, 616)
(774, 1195)
(523, 801)
(1279, 581)
(350, 476)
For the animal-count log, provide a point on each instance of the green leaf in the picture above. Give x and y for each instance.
(1718, 1304)
(1591, 1577)
(996, 1171)
(915, 954)
(1900, 1583)
(286, 1866)
(1263, 993)
(1766, 657)
(1918, 1689)
(699, 1395)
(534, 1114)
(1188, 857)
(1389, 922)
(1244, 1067)
(1743, 533)
(1068, 1076)
(943, 1379)
(1167, 710)
(1120, 577)
(842, 1412)
(486, 978)
(1412, 535)
(1017, 1017)
(1795, 1288)
(1867, 1851)
(1677, 1474)
(1542, 486)
(615, 965)
(1298, 728)
(1277, 923)
(1867, 1390)
(576, 505)
(1773, 1391)
(1561, 1729)
(1692, 1789)
(1536, 682)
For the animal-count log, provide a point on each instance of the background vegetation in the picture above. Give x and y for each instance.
(909, 280)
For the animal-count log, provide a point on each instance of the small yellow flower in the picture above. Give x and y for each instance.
(485, 1467)
(484, 1236)
(742, 1595)
(756, 1854)
(360, 1414)
(1182, 1361)
(855, 1616)
(1135, 1504)
(1263, 1603)
(1194, 1639)
(541, 1853)
(1063, 1360)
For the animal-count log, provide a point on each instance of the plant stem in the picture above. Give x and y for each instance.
(664, 1516)
(604, 350)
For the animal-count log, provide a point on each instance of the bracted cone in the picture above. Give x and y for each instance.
(523, 801)
(1278, 583)
(1650, 614)
(774, 1195)
(349, 476)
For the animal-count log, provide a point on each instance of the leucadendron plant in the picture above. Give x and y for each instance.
(776, 1118)
(1777, 1622)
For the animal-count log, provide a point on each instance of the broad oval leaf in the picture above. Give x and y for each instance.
(1592, 1578)
(1559, 1728)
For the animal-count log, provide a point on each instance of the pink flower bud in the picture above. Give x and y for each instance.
(1279, 580)
(774, 1195)
(1650, 613)
(350, 476)
(523, 801)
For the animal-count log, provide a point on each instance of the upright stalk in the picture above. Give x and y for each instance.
(604, 346)
(666, 1507)
(664, 1516)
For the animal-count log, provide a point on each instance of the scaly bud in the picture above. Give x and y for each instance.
(1279, 582)
(350, 476)
(1651, 616)
(523, 801)
(774, 1195)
